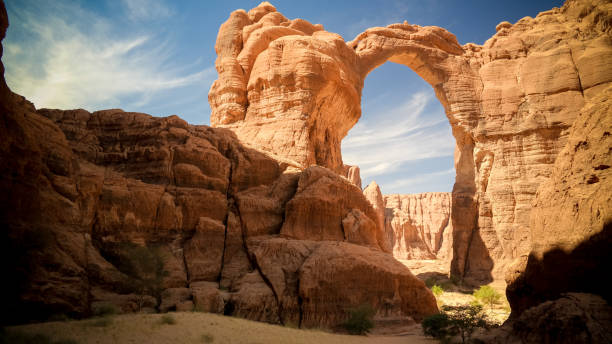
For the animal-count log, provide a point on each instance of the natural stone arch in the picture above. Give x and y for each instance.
(436, 56)
(510, 104)
(302, 92)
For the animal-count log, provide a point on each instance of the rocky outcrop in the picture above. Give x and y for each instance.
(420, 225)
(292, 89)
(571, 318)
(571, 220)
(144, 213)
(352, 173)
(103, 190)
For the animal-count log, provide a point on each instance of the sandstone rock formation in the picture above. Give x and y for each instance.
(292, 89)
(144, 213)
(420, 225)
(572, 318)
(571, 222)
(352, 173)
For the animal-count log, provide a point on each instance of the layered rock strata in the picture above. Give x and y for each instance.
(420, 225)
(123, 209)
(571, 220)
(236, 231)
(292, 89)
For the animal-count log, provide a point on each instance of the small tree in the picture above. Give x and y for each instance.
(465, 319)
(360, 320)
(462, 320)
(145, 267)
(438, 326)
(487, 295)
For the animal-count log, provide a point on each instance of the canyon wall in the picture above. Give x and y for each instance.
(290, 88)
(571, 220)
(421, 225)
(123, 209)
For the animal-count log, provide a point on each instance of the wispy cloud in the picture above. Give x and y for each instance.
(70, 58)
(384, 141)
(147, 9)
(418, 179)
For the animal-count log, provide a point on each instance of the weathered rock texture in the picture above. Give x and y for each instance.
(289, 88)
(571, 222)
(420, 225)
(572, 318)
(352, 173)
(88, 201)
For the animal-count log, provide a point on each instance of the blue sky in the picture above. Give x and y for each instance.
(157, 57)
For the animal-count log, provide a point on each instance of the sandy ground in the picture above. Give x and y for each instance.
(192, 327)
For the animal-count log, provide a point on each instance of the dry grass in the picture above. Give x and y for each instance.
(197, 327)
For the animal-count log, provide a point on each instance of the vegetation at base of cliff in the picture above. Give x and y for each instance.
(143, 264)
(360, 320)
(437, 290)
(487, 295)
(460, 320)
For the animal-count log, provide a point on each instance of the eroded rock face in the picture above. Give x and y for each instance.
(571, 222)
(80, 205)
(420, 225)
(352, 173)
(570, 318)
(294, 91)
(93, 203)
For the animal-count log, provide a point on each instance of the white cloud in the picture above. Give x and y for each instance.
(381, 143)
(71, 58)
(147, 9)
(417, 180)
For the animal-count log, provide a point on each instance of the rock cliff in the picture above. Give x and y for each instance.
(292, 89)
(571, 220)
(141, 213)
(420, 225)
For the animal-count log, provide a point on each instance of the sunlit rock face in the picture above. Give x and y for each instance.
(294, 90)
(420, 225)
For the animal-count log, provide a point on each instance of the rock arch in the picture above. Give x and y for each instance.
(291, 89)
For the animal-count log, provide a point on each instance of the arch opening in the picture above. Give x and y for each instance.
(403, 139)
(424, 221)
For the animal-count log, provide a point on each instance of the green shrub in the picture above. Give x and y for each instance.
(167, 319)
(438, 326)
(465, 319)
(207, 338)
(360, 320)
(437, 290)
(487, 295)
(105, 309)
(453, 320)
